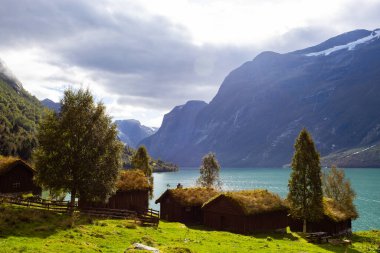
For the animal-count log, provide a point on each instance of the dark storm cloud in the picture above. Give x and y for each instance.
(148, 61)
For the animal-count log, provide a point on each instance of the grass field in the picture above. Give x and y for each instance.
(27, 230)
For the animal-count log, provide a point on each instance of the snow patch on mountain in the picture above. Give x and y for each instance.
(358, 152)
(349, 46)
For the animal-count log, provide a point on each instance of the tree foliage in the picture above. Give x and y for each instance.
(338, 188)
(156, 165)
(78, 149)
(140, 160)
(209, 171)
(19, 114)
(305, 185)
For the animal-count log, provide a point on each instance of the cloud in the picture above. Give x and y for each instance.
(144, 63)
(301, 37)
(146, 60)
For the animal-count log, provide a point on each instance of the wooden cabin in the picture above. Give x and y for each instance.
(16, 176)
(133, 191)
(184, 204)
(245, 212)
(336, 220)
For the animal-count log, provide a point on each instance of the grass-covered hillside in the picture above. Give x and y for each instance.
(19, 115)
(26, 230)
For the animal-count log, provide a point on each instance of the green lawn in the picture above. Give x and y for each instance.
(26, 230)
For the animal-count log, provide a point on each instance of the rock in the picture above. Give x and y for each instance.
(139, 246)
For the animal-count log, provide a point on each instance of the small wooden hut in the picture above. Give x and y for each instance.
(133, 189)
(245, 212)
(336, 220)
(16, 176)
(184, 204)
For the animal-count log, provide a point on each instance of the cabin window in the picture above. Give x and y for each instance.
(188, 209)
(16, 185)
(167, 200)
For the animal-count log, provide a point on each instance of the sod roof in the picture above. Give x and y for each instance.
(195, 196)
(133, 180)
(9, 162)
(253, 201)
(337, 212)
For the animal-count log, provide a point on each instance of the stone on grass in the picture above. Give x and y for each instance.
(139, 246)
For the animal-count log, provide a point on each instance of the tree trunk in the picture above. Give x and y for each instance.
(304, 226)
(72, 200)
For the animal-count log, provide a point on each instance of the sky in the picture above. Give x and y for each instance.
(143, 57)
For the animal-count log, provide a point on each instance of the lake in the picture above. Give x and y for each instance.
(366, 183)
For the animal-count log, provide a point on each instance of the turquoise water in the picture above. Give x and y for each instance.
(366, 183)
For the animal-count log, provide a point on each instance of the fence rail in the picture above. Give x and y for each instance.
(149, 217)
(38, 203)
(111, 213)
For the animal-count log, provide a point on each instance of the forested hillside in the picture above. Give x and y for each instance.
(19, 114)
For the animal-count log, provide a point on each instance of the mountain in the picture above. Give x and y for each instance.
(51, 104)
(19, 114)
(366, 157)
(176, 129)
(331, 89)
(132, 132)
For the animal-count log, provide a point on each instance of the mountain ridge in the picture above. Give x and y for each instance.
(131, 131)
(261, 106)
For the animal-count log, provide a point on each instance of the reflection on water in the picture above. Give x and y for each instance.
(364, 181)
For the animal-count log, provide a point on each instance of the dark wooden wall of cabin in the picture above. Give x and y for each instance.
(224, 215)
(325, 225)
(221, 214)
(171, 210)
(245, 224)
(268, 221)
(18, 179)
(130, 200)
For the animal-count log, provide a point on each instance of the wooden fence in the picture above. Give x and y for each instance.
(109, 213)
(37, 203)
(150, 217)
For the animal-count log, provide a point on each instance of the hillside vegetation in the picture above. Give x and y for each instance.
(26, 230)
(20, 113)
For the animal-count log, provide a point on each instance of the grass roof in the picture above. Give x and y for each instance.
(131, 180)
(6, 163)
(254, 201)
(195, 196)
(337, 212)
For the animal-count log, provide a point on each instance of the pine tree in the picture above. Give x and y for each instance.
(78, 149)
(338, 188)
(140, 161)
(209, 171)
(305, 186)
